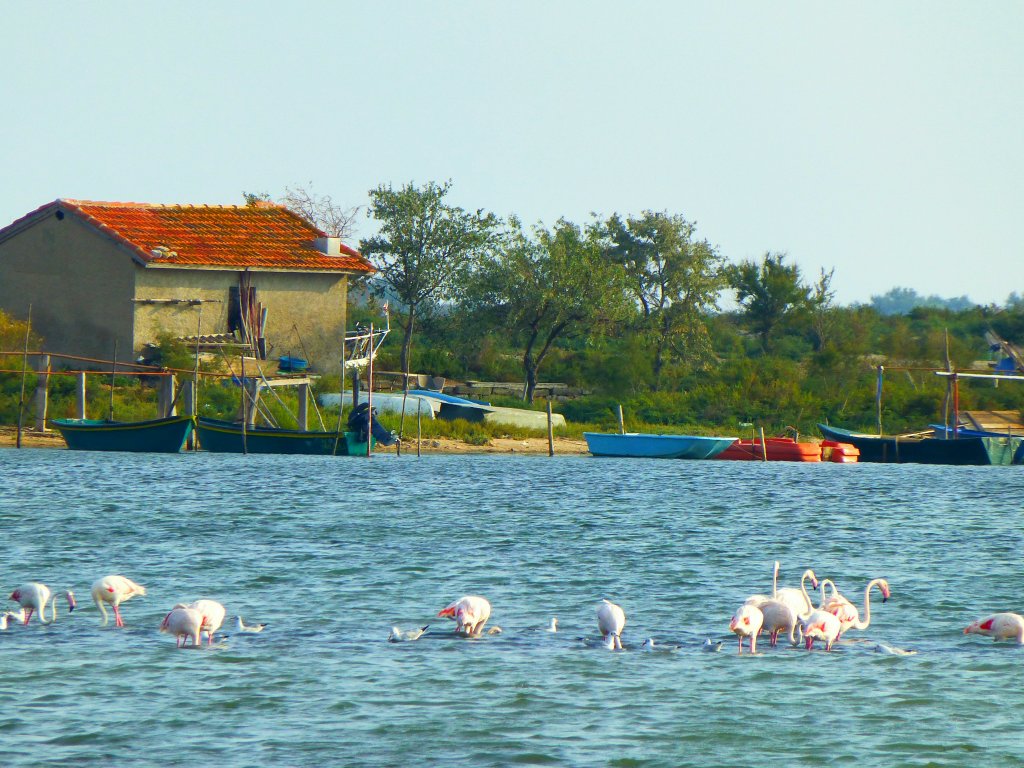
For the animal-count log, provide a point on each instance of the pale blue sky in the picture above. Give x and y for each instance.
(882, 139)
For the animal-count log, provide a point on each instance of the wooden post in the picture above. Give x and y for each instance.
(956, 408)
(369, 398)
(42, 391)
(81, 395)
(245, 410)
(764, 446)
(189, 391)
(878, 398)
(113, 370)
(622, 422)
(24, 373)
(166, 404)
(303, 415)
(551, 433)
(419, 404)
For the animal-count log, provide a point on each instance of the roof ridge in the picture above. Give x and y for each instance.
(264, 204)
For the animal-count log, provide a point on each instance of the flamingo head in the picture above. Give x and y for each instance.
(16, 595)
(71, 600)
(977, 628)
(449, 612)
(814, 579)
(163, 624)
(886, 593)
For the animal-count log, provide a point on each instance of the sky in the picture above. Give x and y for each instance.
(882, 140)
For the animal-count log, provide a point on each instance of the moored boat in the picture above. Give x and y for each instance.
(167, 435)
(219, 436)
(772, 449)
(651, 446)
(921, 449)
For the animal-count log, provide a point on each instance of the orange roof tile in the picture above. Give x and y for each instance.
(266, 235)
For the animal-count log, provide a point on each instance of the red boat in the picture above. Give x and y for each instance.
(788, 449)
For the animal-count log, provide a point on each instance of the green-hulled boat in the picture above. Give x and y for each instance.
(965, 450)
(228, 437)
(166, 435)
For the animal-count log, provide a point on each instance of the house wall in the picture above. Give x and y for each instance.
(78, 282)
(306, 312)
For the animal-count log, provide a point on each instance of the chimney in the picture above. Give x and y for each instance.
(330, 246)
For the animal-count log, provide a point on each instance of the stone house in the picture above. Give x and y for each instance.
(95, 273)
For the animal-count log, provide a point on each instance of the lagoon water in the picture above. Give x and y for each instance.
(333, 552)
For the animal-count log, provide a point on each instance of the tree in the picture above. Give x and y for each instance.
(423, 248)
(769, 292)
(674, 279)
(319, 210)
(553, 286)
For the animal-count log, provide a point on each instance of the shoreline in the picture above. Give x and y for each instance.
(564, 446)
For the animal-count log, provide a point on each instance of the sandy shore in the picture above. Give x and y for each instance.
(531, 445)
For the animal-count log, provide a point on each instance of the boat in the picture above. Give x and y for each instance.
(650, 446)
(922, 448)
(167, 435)
(773, 449)
(219, 436)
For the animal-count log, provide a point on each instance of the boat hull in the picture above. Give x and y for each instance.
(154, 436)
(776, 448)
(228, 437)
(650, 446)
(963, 451)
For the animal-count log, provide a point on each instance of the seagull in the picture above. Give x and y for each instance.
(650, 645)
(407, 636)
(553, 627)
(241, 626)
(893, 650)
(711, 645)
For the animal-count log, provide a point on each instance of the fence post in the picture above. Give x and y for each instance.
(303, 415)
(81, 394)
(42, 391)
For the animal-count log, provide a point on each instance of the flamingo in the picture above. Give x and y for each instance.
(183, 622)
(114, 590)
(846, 612)
(746, 622)
(797, 599)
(212, 612)
(470, 614)
(35, 596)
(241, 626)
(999, 626)
(820, 625)
(611, 620)
(778, 617)
(407, 636)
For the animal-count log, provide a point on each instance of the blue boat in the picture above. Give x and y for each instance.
(649, 446)
(166, 435)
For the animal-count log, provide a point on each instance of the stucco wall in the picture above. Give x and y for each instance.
(78, 282)
(305, 312)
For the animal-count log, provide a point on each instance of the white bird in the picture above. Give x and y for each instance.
(8, 616)
(746, 622)
(4, 618)
(114, 590)
(821, 625)
(611, 620)
(798, 599)
(183, 622)
(470, 614)
(553, 626)
(34, 597)
(406, 636)
(758, 599)
(650, 645)
(846, 612)
(778, 618)
(893, 650)
(999, 626)
(212, 612)
(241, 626)
(711, 646)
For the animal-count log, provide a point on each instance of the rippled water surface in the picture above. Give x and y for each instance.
(333, 552)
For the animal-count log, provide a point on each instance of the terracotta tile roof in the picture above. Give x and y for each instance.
(266, 235)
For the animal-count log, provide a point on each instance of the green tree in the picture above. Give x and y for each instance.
(423, 247)
(674, 279)
(770, 292)
(553, 286)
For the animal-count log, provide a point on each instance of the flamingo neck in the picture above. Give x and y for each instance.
(867, 604)
(803, 589)
(775, 580)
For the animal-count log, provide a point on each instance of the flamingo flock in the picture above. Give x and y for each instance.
(184, 621)
(787, 612)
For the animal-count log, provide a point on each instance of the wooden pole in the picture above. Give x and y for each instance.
(303, 416)
(622, 422)
(24, 373)
(42, 392)
(113, 368)
(764, 446)
(369, 398)
(956, 407)
(245, 411)
(341, 393)
(419, 404)
(551, 433)
(878, 398)
(81, 395)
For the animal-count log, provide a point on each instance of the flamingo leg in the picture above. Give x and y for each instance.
(117, 616)
(28, 614)
(740, 638)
